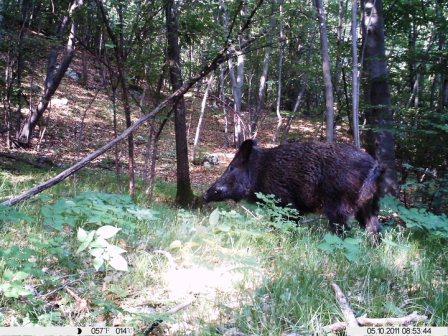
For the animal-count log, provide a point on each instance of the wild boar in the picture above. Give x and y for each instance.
(337, 179)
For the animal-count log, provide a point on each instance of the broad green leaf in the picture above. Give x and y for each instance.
(97, 252)
(82, 235)
(99, 242)
(107, 231)
(213, 219)
(98, 262)
(119, 263)
(86, 242)
(114, 250)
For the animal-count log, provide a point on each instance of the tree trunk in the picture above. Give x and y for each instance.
(223, 99)
(380, 141)
(355, 75)
(53, 78)
(201, 118)
(280, 69)
(120, 57)
(326, 67)
(1, 22)
(295, 111)
(238, 93)
(236, 81)
(443, 62)
(184, 195)
(263, 78)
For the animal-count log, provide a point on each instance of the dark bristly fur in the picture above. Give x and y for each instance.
(336, 179)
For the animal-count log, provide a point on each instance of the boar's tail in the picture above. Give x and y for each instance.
(372, 185)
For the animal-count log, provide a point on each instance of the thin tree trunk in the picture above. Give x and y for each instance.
(152, 159)
(184, 194)
(238, 122)
(52, 80)
(355, 75)
(236, 81)
(223, 99)
(201, 118)
(120, 56)
(114, 111)
(295, 111)
(9, 79)
(380, 140)
(280, 70)
(263, 79)
(154, 136)
(326, 67)
(1, 22)
(442, 79)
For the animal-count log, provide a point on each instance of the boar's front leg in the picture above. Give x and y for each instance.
(367, 216)
(338, 215)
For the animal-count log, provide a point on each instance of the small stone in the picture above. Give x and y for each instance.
(70, 73)
(233, 332)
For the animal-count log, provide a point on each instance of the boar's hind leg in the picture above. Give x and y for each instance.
(367, 216)
(337, 215)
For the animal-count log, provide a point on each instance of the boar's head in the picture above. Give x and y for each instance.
(238, 180)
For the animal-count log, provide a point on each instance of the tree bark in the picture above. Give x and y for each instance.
(236, 81)
(263, 79)
(201, 118)
(1, 22)
(280, 70)
(326, 67)
(379, 138)
(223, 99)
(53, 78)
(184, 194)
(355, 75)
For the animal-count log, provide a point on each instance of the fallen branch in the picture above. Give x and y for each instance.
(349, 316)
(221, 57)
(378, 322)
(405, 320)
(45, 162)
(172, 311)
(352, 321)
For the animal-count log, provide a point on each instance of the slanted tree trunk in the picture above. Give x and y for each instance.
(184, 195)
(379, 138)
(326, 67)
(53, 78)
(201, 118)
(355, 75)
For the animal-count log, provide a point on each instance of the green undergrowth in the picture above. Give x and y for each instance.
(84, 253)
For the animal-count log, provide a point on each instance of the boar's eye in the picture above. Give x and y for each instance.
(231, 168)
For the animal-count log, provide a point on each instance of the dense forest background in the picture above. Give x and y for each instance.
(179, 85)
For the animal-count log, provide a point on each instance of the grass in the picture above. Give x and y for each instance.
(232, 269)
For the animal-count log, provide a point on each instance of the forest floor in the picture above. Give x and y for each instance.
(80, 118)
(226, 269)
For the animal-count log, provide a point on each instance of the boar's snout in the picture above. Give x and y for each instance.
(217, 192)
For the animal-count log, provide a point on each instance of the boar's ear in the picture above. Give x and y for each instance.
(246, 149)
